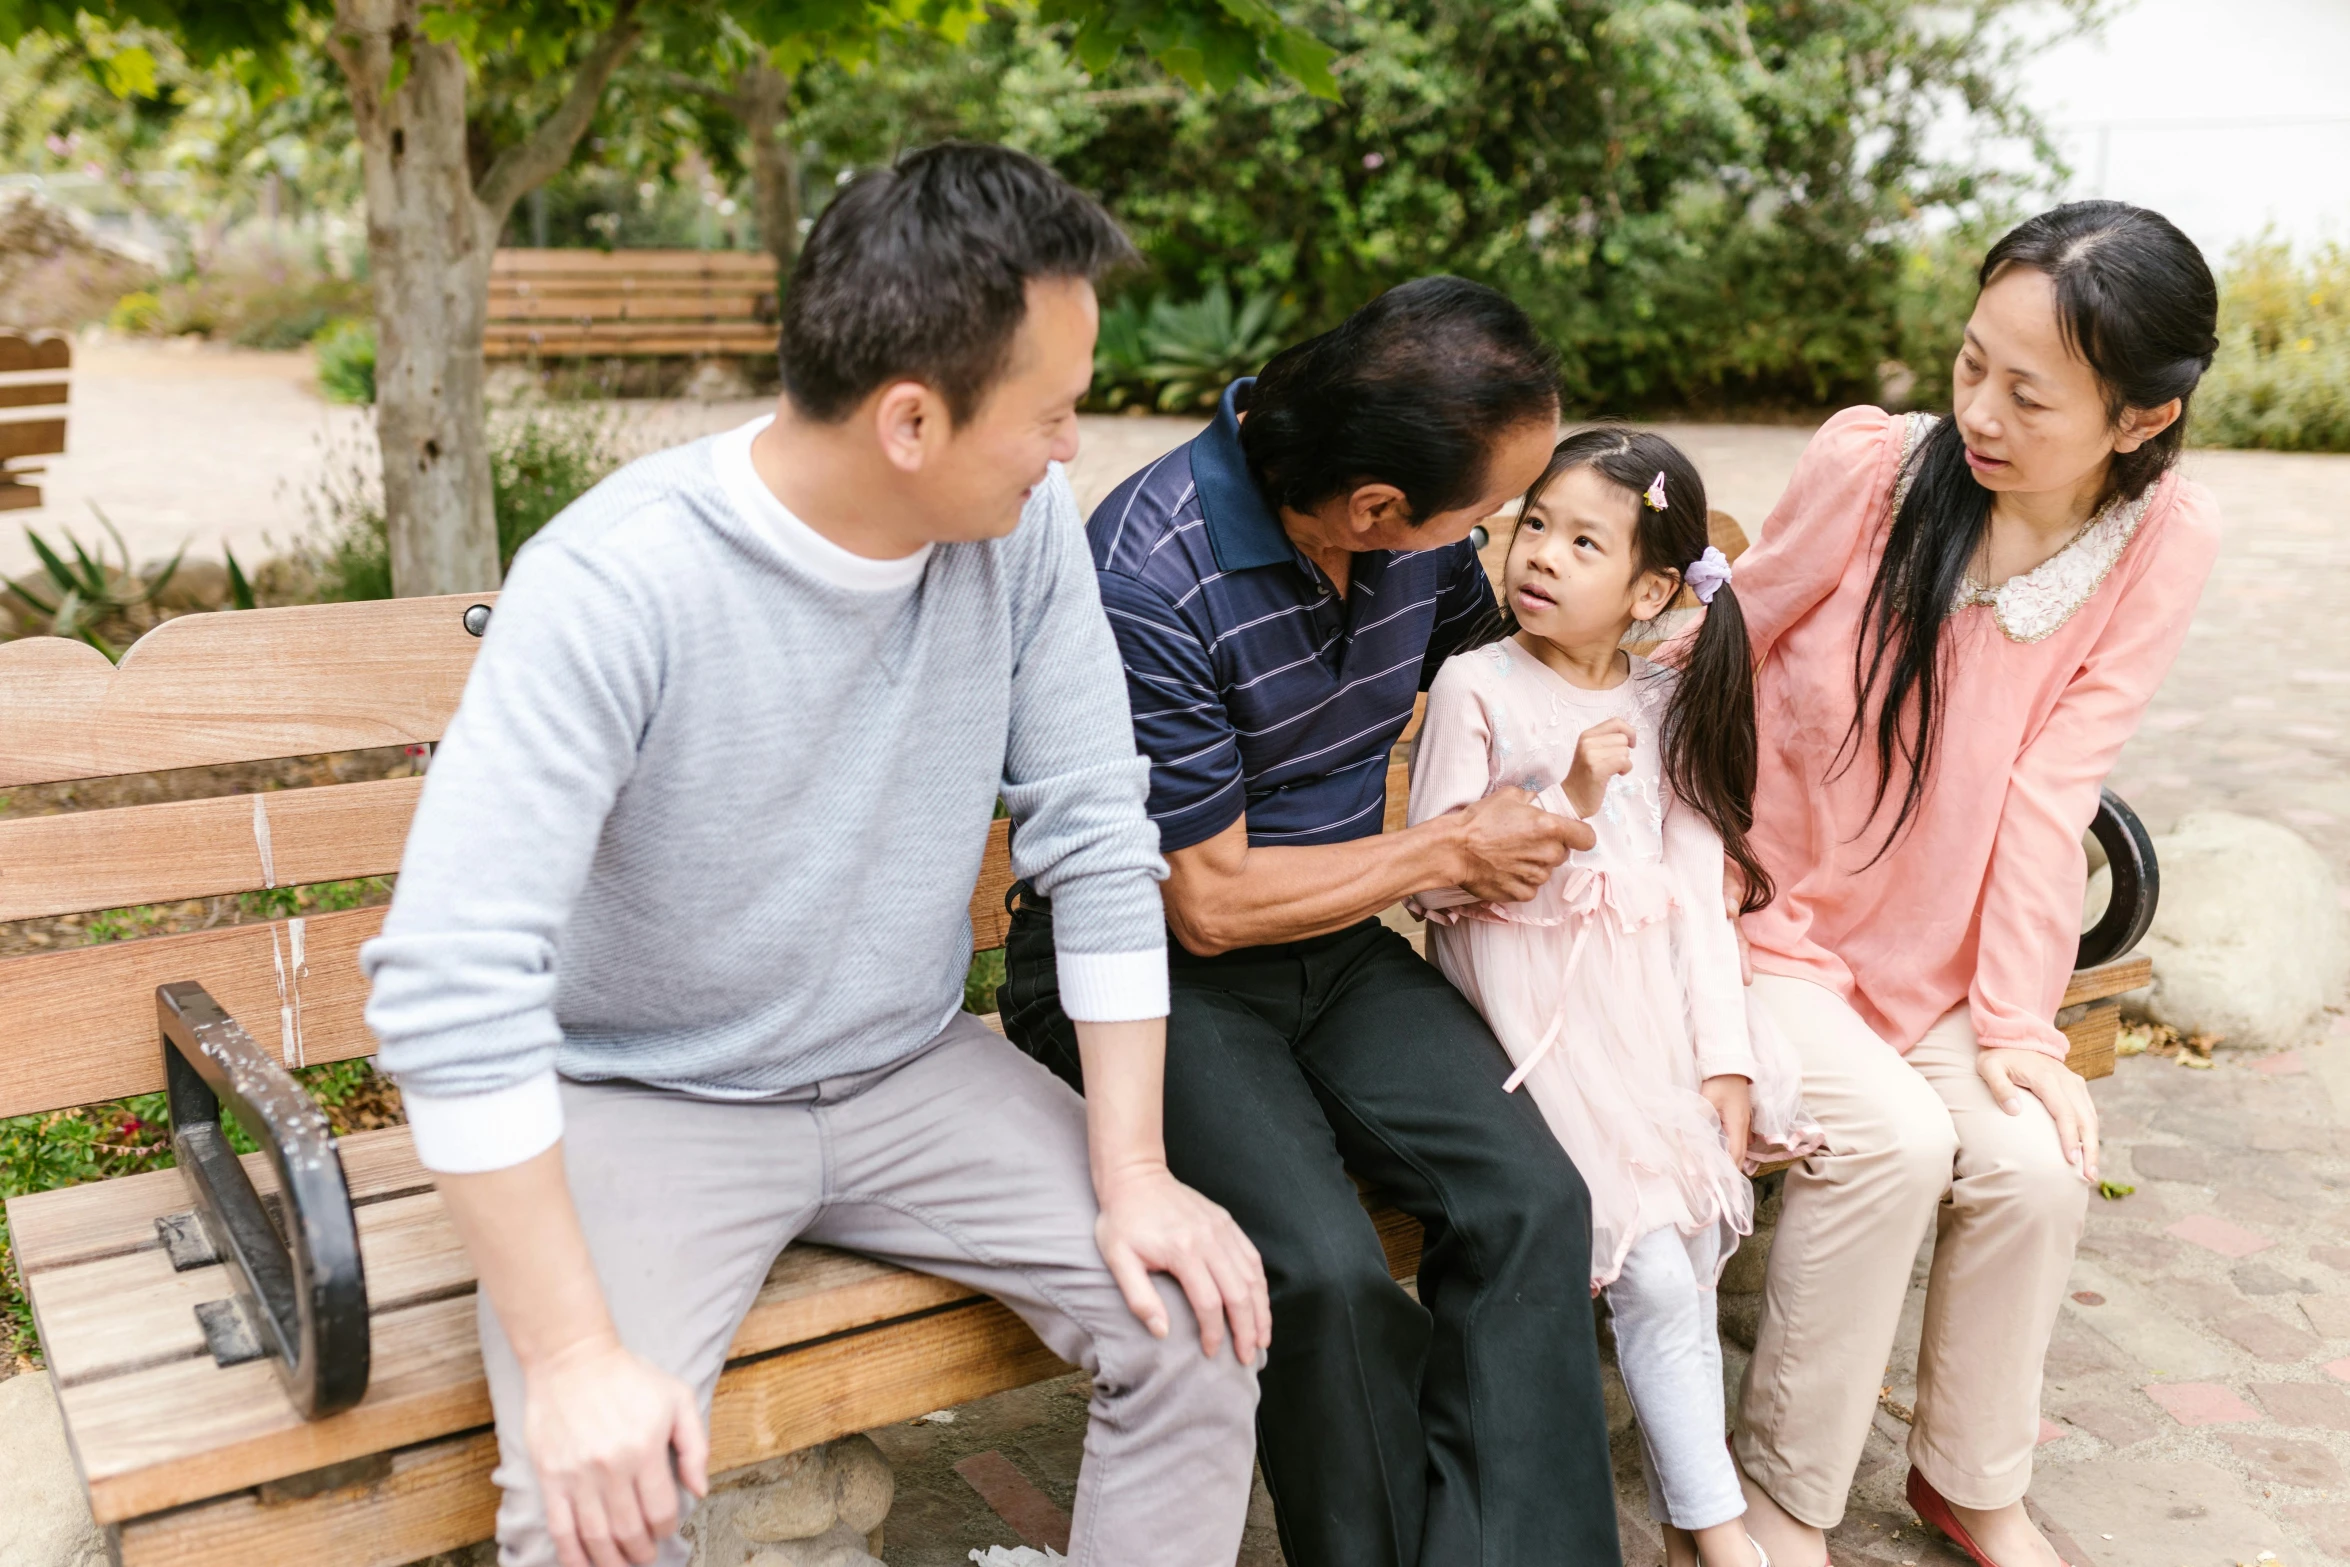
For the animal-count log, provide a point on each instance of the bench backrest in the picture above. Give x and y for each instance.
(563, 303)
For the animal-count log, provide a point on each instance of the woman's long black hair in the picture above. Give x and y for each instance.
(1709, 738)
(2135, 300)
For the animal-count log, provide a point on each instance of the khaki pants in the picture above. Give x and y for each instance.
(1910, 1140)
(967, 1161)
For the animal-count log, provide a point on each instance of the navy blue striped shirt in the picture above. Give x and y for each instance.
(1256, 688)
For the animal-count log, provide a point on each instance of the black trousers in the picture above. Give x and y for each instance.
(1461, 1430)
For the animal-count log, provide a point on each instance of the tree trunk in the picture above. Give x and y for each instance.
(428, 250)
(762, 97)
(430, 235)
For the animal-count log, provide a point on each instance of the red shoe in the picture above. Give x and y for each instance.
(1928, 1504)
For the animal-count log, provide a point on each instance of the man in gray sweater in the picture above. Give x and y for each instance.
(672, 976)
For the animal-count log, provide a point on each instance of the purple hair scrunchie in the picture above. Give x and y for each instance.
(1708, 574)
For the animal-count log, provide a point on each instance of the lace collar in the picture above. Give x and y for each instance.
(2032, 605)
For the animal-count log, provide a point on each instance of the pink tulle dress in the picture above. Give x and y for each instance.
(1615, 988)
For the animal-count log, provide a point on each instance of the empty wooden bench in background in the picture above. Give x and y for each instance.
(192, 1455)
(32, 376)
(593, 304)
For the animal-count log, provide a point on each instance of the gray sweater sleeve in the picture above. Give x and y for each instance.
(1073, 781)
(514, 804)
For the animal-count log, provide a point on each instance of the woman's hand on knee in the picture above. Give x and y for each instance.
(2011, 1073)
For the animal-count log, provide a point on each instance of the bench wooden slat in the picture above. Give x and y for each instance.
(57, 1229)
(80, 860)
(2131, 972)
(34, 394)
(32, 438)
(436, 1497)
(50, 351)
(625, 338)
(600, 302)
(523, 261)
(81, 1023)
(241, 686)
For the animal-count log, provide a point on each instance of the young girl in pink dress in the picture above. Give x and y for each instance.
(1616, 989)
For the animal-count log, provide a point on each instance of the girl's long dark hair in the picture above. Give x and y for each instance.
(1709, 736)
(2137, 303)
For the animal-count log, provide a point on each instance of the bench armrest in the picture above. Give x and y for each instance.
(298, 1280)
(2137, 883)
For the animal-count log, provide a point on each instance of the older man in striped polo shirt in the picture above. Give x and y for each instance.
(1281, 587)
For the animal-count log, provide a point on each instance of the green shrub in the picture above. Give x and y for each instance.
(542, 459)
(345, 356)
(2282, 378)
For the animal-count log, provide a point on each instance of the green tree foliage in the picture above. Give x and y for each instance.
(1698, 203)
(2282, 378)
(1701, 204)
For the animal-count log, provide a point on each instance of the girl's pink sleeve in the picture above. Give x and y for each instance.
(1839, 489)
(2031, 921)
(1705, 946)
(1452, 762)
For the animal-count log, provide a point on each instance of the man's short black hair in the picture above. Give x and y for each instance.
(1411, 390)
(920, 272)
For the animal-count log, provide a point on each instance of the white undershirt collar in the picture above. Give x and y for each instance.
(800, 544)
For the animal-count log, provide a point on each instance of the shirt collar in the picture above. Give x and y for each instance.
(1242, 530)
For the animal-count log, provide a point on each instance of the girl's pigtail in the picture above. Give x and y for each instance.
(1709, 737)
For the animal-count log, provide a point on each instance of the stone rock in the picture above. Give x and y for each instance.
(44, 1515)
(819, 1507)
(2250, 942)
(796, 1504)
(717, 381)
(862, 1483)
(839, 1546)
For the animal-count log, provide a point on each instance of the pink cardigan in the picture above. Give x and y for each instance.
(1980, 899)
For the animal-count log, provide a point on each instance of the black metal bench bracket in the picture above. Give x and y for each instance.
(2137, 883)
(301, 1293)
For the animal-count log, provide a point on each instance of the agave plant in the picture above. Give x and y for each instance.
(1197, 349)
(1121, 355)
(85, 594)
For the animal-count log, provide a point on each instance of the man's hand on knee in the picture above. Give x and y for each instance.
(601, 1426)
(1151, 1222)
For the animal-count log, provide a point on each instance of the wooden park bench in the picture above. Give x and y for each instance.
(594, 304)
(273, 1358)
(32, 375)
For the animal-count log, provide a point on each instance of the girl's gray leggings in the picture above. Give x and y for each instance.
(1671, 1356)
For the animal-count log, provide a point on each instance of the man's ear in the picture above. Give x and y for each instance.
(1375, 506)
(1657, 590)
(2140, 425)
(910, 421)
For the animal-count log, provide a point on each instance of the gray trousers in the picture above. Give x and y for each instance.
(967, 1161)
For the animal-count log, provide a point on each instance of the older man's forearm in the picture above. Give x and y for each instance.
(1224, 894)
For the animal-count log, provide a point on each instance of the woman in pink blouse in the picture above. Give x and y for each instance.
(1957, 624)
